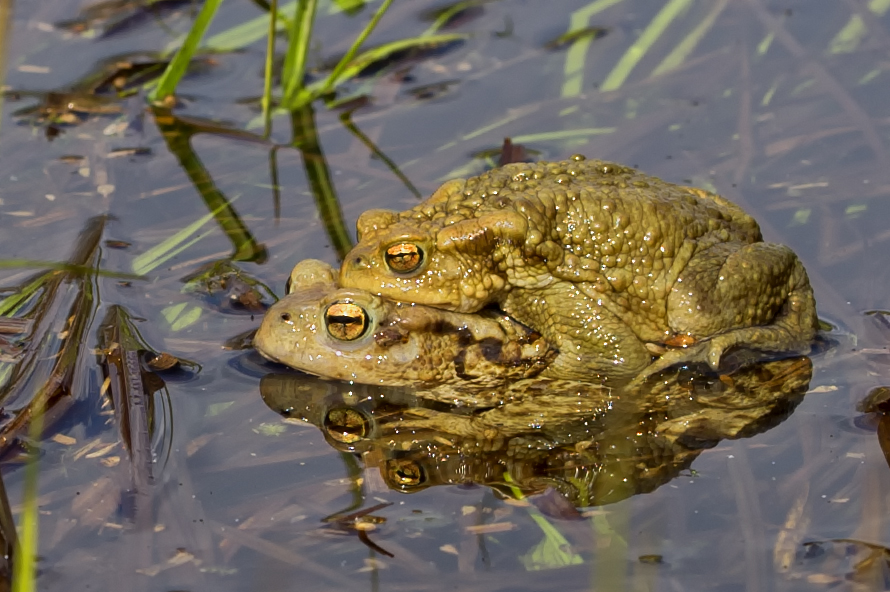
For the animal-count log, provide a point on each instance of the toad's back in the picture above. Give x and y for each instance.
(592, 208)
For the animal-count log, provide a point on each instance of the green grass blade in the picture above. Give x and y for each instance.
(382, 52)
(8, 532)
(445, 15)
(563, 135)
(78, 263)
(765, 43)
(364, 59)
(177, 243)
(518, 114)
(185, 238)
(267, 72)
(24, 567)
(573, 71)
(851, 35)
(296, 95)
(679, 54)
(171, 247)
(14, 302)
(298, 49)
(344, 63)
(581, 17)
(650, 35)
(350, 7)
(240, 36)
(768, 96)
(554, 551)
(179, 64)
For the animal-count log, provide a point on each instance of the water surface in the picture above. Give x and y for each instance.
(779, 106)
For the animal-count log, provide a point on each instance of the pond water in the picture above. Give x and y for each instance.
(779, 106)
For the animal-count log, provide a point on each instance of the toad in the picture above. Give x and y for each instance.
(613, 267)
(348, 334)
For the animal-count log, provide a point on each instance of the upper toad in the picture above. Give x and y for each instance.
(609, 264)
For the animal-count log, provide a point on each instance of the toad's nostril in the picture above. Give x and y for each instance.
(285, 316)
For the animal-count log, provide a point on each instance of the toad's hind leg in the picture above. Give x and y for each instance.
(732, 294)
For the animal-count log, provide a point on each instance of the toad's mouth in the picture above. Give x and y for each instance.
(300, 371)
(268, 356)
(406, 299)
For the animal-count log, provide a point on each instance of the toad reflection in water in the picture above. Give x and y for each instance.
(592, 444)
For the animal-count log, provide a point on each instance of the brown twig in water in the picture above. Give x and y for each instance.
(280, 553)
(360, 523)
(13, 326)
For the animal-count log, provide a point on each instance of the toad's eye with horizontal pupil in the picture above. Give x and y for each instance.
(345, 321)
(404, 257)
(406, 473)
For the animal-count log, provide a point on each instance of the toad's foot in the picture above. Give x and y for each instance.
(700, 352)
(711, 351)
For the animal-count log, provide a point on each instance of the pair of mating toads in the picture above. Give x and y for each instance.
(578, 269)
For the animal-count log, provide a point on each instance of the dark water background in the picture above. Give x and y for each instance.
(766, 110)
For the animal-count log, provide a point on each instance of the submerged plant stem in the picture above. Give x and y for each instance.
(650, 35)
(306, 141)
(679, 54)
(178, 134)
(576, 56)
(52, 395)
(346, 119)
(276, 186)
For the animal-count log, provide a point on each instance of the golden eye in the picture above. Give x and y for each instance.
(404, 257)
(405, 473)
(346, 425)
(346, 321)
